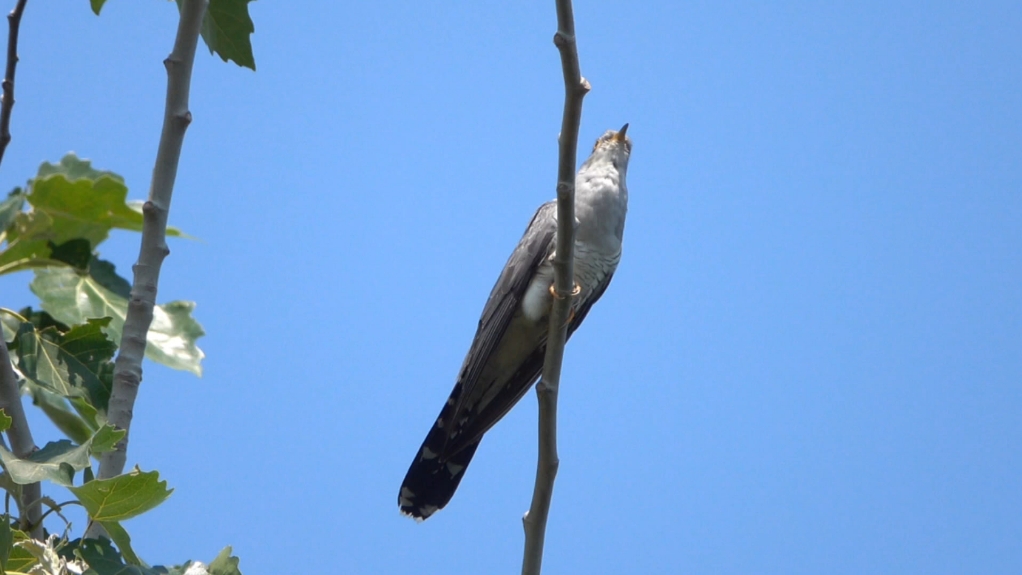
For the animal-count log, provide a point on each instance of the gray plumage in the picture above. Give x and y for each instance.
(506, 356)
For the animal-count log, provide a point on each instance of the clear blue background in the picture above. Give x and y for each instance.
(809, 361)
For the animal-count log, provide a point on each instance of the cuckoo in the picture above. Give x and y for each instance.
(506, 356)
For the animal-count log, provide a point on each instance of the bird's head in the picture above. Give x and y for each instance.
(613, 146)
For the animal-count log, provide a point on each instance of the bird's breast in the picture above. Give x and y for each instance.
(592, 266)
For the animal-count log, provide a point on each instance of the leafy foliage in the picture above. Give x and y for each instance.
(73, 208)
(64, 354)
(225, 564)
(73, 296)
(70, 201)
(103, 559)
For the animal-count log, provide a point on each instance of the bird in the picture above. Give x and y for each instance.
(507, 353)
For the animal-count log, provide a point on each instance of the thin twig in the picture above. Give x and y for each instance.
(128, 366)
(7, 100)
(575, 89)
(55, 508)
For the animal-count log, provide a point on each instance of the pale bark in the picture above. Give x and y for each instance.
(575, 89)
(177, 117)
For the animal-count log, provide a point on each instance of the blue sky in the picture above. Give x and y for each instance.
(810, 358)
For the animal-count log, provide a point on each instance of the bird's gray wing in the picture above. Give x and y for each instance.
(533, 249)
(484, 393)
(483, 415)
(527, 373)
(583, 307)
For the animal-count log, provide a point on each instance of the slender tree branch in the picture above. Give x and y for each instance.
(20, 436)
(128, 366)
(7, 101)
(575, 89)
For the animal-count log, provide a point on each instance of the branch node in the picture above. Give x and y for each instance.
(562, 40)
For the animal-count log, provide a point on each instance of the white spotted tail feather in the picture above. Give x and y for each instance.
(506, 356)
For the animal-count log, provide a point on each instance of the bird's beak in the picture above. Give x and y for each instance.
(620, 135)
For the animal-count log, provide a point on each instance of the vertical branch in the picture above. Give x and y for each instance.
(20, 435)
(128, 367)
(575, 89)
(7, 104)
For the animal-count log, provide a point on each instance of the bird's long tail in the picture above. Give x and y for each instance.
(433, 477)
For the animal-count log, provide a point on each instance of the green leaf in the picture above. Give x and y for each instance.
(172, 337)
(71, 201)
(76, 427)
(106, 275)
(83, 208)
(46, 553)
(20, 560)
(103, 559)
(10, 208)
(27, 471)
(88, 344)
(83, 202)
(99, 555)
(28, 243)
(74, 168)
(88, 412)
(123, 541)
(122, 497)
(59, 460)
(97, 5)
(5, 421)
(9, 324)
(225, 563)
(226, 29)
(105, 439)
(73, 364)
(56, 462)
(73, 298)
(42, 320)
(75, 253)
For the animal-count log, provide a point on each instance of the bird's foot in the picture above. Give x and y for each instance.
(574, 292)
